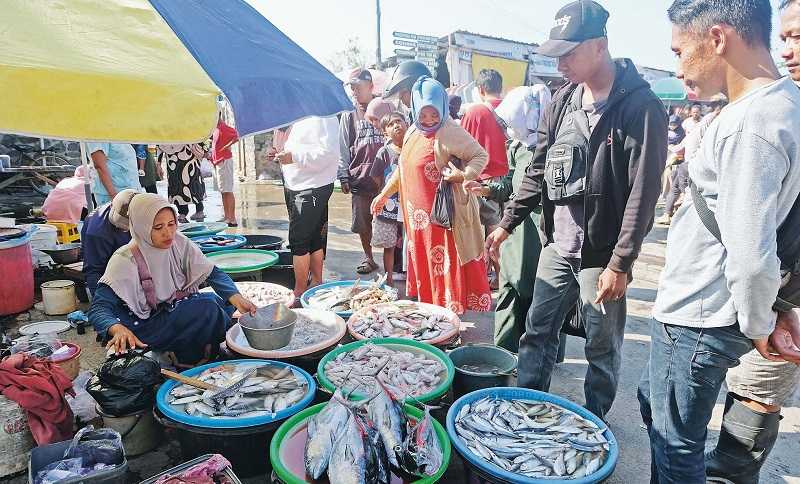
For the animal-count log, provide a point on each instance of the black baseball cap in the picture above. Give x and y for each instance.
(575, 22)
(359, 75)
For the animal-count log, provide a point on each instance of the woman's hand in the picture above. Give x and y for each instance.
(122, 338)
(243, 305)
(378, 203)
(452, 174)
(477, 188)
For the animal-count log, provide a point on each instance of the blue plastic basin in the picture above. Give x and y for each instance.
(535, 396)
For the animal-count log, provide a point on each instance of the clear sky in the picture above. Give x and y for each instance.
(638, 29)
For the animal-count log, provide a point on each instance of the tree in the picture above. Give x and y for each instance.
(350, 57)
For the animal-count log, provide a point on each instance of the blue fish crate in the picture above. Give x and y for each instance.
(178, 415)
(304, 299)
(513, 393)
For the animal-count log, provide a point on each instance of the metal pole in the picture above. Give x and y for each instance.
(378, 60)
(87, 188)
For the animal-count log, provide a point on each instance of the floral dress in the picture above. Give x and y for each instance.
(185, 183)
(434, 274)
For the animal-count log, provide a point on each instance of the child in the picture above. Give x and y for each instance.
(386, 226)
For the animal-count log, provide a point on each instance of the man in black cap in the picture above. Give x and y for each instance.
(596, 172)
(359, 142)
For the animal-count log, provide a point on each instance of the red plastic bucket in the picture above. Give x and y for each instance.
(16, 276)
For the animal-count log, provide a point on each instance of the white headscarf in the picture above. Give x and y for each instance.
(181, 267)
(118, 215)
(521, 109)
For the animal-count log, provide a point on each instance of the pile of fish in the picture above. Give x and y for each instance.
(403, 372)
(402, 319)
(534, 439)
(352, 298)
(364, 442)
(264, 294)
(240, 392)
(308, 332)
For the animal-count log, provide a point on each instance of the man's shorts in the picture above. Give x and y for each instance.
(762, 380)
(362, 217)
(385, 233)
(223, 176)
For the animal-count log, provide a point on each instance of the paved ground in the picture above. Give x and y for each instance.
(262, 210)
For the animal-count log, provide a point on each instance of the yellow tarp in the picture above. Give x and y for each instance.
(513, 71)
(105, 70)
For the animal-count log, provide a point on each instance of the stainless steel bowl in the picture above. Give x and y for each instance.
(64, 253)
(271, 328)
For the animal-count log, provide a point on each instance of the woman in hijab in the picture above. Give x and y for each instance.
(149, 295)
(445, 267)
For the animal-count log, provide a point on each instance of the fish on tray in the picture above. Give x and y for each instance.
(403, 319)
(402, 372)
(360, 442)
(352, 298)
(534, 439)
(243, 392)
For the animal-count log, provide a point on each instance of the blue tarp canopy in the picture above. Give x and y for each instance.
(268, 79)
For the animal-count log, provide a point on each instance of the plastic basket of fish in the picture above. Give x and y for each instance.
(406, 319)
(418, 371)
(344, 297)
(530, 437)
(380, 440)
(246, 393)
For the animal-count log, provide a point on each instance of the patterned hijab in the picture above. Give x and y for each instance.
(181, 267)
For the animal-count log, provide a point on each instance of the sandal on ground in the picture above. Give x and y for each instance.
(366, 267)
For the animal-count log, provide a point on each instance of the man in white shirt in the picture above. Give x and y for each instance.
(309, 162)
(714, 302)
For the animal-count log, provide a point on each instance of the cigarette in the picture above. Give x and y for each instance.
(602, 308)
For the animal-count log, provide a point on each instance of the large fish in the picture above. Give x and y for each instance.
(422, 452)
(348, 462)
(324, 429)
(386, 412)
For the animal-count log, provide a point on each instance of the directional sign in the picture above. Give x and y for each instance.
(405, 52)
(427, 54)
(407, 35)
(405, 43)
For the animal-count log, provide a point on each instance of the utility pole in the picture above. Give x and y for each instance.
(378, 60)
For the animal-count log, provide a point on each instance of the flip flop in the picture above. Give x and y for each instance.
(366, 267)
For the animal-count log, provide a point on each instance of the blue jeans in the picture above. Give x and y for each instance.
(560, 283)
(677, 393)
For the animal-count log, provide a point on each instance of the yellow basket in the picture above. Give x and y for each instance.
(67, 232)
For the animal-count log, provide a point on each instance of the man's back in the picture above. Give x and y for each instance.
(748, 171)
(480, 122)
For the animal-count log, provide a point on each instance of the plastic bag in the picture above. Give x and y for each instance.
(101, 446)
(82, 404)
(38, 345)
(573, 323)
(60, 470)
(443, 208)
(125, 384)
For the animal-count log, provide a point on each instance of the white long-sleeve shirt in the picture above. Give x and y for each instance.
(748, 171)
(314, 144)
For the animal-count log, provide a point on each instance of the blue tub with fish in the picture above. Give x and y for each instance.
(571, 444)
(241, 432)
(305, 299)
(214, 243)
